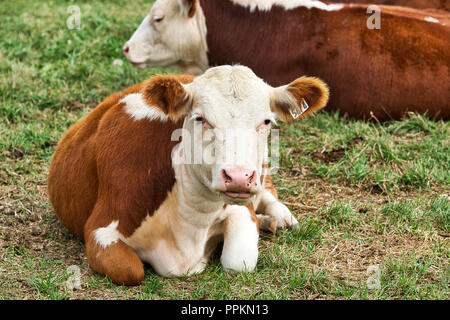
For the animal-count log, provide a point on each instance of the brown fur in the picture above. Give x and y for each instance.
(311, 90)
(251, 208)
(402, 67)
(166, 93)
(73, 169)
(193, 7)
(268, 184)
(104, 169)
(118, 261)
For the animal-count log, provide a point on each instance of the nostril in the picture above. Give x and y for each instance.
(226, 178)
(250, 180)
(126, 49)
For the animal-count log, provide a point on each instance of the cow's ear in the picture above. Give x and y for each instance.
(299, 99)
(190, 7)
(169, 94)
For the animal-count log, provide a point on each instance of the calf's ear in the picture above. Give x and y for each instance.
(299, 99)
(169, 94)
(190, 6)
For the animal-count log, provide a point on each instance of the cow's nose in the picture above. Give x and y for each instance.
(238, 180)
(126, 50)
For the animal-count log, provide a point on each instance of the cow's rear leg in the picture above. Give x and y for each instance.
(272, 213)
(110, 256)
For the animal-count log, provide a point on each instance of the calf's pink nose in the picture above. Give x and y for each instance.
(239, 180)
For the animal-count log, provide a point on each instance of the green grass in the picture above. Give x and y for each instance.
(398, 155)
(364, 193)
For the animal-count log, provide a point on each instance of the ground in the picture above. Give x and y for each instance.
(365, 194)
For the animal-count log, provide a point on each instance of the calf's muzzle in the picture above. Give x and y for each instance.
(239, 182)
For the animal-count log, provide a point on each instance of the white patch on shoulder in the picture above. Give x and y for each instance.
(431, 19)
(107, 235)
(266, 5)
(138, 109)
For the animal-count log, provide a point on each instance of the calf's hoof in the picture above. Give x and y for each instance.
(277, 216)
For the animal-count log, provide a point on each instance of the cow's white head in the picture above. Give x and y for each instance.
(227, 114)
(173, 34)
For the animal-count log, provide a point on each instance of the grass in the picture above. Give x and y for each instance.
(365, 193)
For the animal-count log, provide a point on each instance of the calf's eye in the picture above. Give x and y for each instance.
(199, 119)
(158, 18)
(267, 122)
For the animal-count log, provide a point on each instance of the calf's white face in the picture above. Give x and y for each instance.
(227, 115)
(229, 123)
(173, 34)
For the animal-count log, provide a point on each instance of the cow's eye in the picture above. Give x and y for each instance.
(157, 18)
(267, 122)
(200, 120)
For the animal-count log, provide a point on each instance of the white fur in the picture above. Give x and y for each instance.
(178, 41)
(274, 212)
(431, 19)
(266, 5)
(235, 102)
(240, 247)
(188, 223)
(138, 109)
(107, 235)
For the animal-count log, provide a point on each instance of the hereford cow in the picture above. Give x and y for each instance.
(121, 180)
(401, 67)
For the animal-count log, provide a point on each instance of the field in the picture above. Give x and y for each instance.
(365, 193)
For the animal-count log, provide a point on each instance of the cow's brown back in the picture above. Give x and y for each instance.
(89, 153)
(72, 180)
(403, 66)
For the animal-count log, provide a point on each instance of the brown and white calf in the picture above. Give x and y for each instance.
(403, 66)
(120, 180)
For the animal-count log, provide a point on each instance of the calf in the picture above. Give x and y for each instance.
(402, 66)
(121, 180)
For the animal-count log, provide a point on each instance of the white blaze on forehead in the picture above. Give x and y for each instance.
(231, 97)
(237, 86)
(136, 107)
(266, 5)
(107, 235)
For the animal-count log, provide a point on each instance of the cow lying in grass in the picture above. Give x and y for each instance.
(121, 180)
(387, 68)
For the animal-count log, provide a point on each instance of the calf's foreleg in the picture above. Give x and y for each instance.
(272, 213)
(241, 233)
